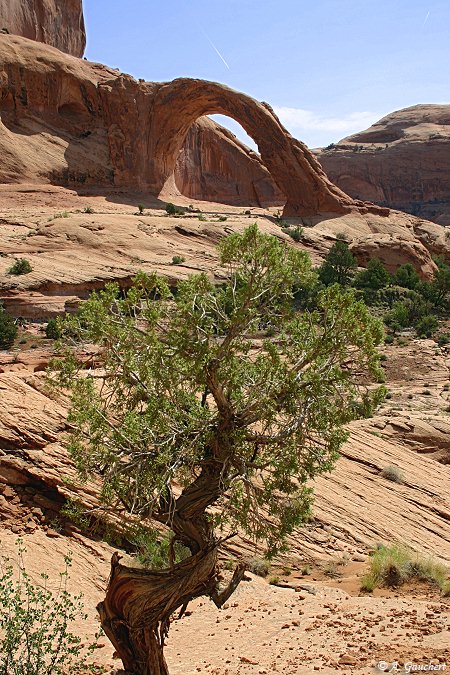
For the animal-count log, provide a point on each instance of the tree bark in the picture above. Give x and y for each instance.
(139, 603)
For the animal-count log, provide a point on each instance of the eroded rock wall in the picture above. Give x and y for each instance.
(60, 24)
(402, 161)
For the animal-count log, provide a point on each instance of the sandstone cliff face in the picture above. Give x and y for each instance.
(75, 123)
(214, 165)
(60, 24)
(402, 161)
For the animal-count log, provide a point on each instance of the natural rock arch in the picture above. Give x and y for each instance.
(178, 104)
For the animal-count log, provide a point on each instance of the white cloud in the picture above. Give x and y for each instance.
(306, 120)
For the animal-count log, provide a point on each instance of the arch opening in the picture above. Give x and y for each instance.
(215, 165)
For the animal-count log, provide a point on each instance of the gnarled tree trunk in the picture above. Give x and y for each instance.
(137, 609)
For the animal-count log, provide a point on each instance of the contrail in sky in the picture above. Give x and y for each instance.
(215, 49)
(426, 18)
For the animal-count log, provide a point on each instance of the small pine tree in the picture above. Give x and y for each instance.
(375, 276)
(8, 329)
(339, 265)
(406, 276)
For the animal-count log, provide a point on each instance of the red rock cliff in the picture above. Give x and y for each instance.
(57, 23)
(402, 161)
(214, 165)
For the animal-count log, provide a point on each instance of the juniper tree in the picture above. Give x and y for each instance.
(200, 425)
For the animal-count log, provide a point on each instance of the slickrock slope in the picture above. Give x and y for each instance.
(71, 122)
(215, 166)
(73, 250)
(59, 24)
(402, 161)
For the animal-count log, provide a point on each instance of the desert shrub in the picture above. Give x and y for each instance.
(389, 339)
(52, 330)
(202, 217)
(178, 259)
(8, 329)
(21, 266)
(296, 233)
(173, 210)
(426, 326)
(394, 565)
(35, 635)
(339, 265)
(444, 339)
(259, 566)
(374, 277)
(141, 209)
(274, 581)
(88, 209)
(222, 219)
(393, 473)
(406, 277)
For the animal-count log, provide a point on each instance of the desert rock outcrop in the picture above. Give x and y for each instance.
(75, 123)
(60, 24)
(402, 161)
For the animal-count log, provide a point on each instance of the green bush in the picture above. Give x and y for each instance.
(173, 210)
(394, 565)
(8, 330)
(21, 266)
(178, 259)
(52, 329)
(88, 209)
(35, 635)
(374, 277)
(141, 208)
(444, 339)
(406, 276)
(426, 326)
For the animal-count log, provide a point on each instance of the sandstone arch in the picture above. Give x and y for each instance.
(178, 104)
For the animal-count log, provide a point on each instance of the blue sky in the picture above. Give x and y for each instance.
(328, 67)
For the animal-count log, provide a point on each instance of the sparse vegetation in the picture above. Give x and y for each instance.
(274, 580)
(202, 217)
(35, 623)
(21, 266)
(141, 209)
(88, 209)
(397, 564)
(392, 473)
(259, 566)
(173, 210)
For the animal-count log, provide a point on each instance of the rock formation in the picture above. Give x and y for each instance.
(60, 24)
(76, 123)
(215, 166)
(402, 161)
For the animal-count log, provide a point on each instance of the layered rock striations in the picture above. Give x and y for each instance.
(402, 161)
(60, 24)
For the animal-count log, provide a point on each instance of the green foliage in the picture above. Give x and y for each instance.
(8, 329)
(202, 218)
(184, 388)
(52, 329)
(426, 326)
(444, 339)
(154, 550)
(274, 580)
(173, 210)
(222, 219)
(88, 209)
(406, 277)
(374, 277)
(394, 565)
(295, 233)
(178, 259)
(339, 265)
(35, 635)
(141, 209)
(21, 266)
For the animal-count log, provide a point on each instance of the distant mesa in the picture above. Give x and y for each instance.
(402, 161)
